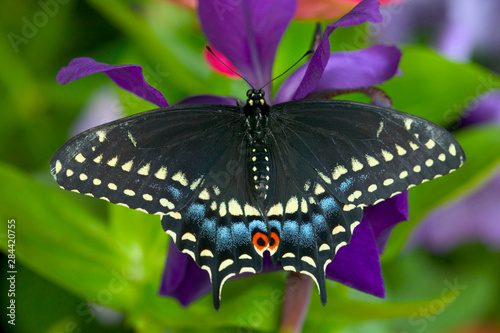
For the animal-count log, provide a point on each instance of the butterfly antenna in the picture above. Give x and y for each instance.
(232, 70)
(277, 77)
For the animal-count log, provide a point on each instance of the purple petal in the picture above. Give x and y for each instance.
(208, 99)
(485, 109)
(367, 10)
(182, 279)
(128, 77)
(472, 219)
(357, 265)
(348, 70)
(247, 33)
(385, 215)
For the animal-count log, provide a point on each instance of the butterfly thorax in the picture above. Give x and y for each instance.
(257, 114)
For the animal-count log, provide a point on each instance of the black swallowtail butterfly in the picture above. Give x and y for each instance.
(231, 182)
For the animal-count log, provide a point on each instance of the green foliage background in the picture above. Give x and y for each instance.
(72, 251)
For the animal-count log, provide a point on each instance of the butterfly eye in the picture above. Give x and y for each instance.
(249, 93)
(260, 241)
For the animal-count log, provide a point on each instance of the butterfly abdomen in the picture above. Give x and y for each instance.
(259, 168)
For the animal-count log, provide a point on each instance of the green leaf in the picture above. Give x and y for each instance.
(60, 239)
(482, 148)
(435, 88)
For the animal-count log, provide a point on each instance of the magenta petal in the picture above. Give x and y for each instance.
(128, 77)
(385, 215)
(208, 99)
(182, 279)
(247, 33)
(348, 70)
(367, 10)
(357, 265)
(486, 109)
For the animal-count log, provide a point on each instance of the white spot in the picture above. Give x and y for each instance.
(318, 189)
(288, 255)
(248, 270)
(216, 190)
(327, 262)
(292, 206)
(251, 211)
(276, 210)
(165, 203)
(266, 158)
(339, 171)
(378, 201)
(101, 135)
(254, 169)
(388, 181)
(429, 162)
(312, 201)
(387, 156)
(395, 193)
(93, 148)
(189, 236)
(417, 168)
(112, 186)
(356, 165)
(76, 191)
(353, 226)
(222, 209)
(234, 208)
(112, 162)
(213, 206)
(226, 263)
(194, 185)
(175, 215)
(69, 172)
(204, 195)
(254, 158)
(98, 159)
(324, 247)
(355, 195)
(338, 229)
(430, 144)
(371, 161)
(83, 176)
(190, 253)
(303, 206)
(205, 267)
(403, 175)
(380, 127)
(89, 194)
(372, 188)
(128, 192)
(128, 166)
(408, 123)
(142, 210)
(339, 246)
(401, 151)
(349, 207)
(442, 157)
(308, 260)
(289, 268)
(244, 256)
(206, 253)
(79, 158)
(132, 139)
(147, 197)
(417, 135)
(224, 281)
(161, 173)
(437, 176)
(173, 235)
(255, 178)
(452, 150)
(307, 185)
(181, 178)
(97, 181)
(144, 170)
(104, 198)
(58, 166)
(413, 145)
(324, 177)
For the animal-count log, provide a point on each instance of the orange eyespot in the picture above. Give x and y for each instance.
(274, 242)
(260, 241)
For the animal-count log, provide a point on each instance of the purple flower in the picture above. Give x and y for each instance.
(475, 217)
(248, 34)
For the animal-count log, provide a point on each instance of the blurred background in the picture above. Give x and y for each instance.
(88, 266)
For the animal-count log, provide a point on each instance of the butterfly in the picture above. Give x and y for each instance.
(231, 182)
